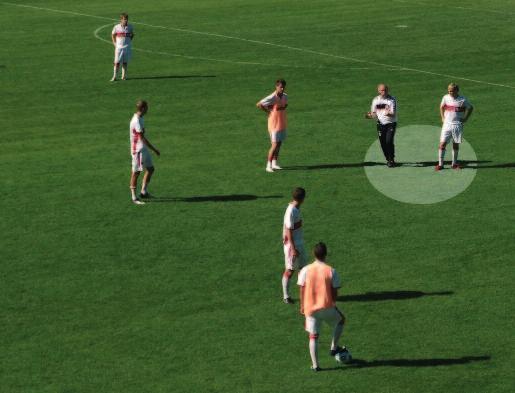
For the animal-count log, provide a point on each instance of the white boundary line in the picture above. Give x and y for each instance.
(352, 59)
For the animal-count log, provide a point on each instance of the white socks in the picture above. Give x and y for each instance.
(441, 155)
(313, 351)
(133, 193)
(286, 284)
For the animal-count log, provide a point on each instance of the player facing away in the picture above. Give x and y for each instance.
(275, 106)
(141, 158)
(293, 241)
(384, 110)
(319, 285)
(454, 111)
(122, 36)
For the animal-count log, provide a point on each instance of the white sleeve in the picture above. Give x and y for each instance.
(373, 106)
(336, 280)
(301, 281)
(268, 100)
(114, 30)
(289, 219)
(138, 126)
(442, 104)
(393, 109)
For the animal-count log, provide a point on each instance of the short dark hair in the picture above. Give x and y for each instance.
(124, 15)
(141, 104)
(320, 251)
(281, 81)
(298, 194)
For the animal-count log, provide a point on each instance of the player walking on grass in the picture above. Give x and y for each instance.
(122, 37)
(454, 111)
(384, 110)
(275, 106)
(293, 241)
(319, 285)
(141, 158)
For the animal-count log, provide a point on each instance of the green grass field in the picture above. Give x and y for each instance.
(184, 295)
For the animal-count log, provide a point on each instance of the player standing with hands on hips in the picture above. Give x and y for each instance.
(384, 110)
(275, 106)
(141, 158)
(122, 36)
(454, 111)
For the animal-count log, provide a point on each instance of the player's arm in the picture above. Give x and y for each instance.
(372, 113)
(264, 108)
(391, 110)
(301, 293)
(468, 112)
(113, 38)
(442, 113)
(289, 239)
(336, 284)
(150, 146)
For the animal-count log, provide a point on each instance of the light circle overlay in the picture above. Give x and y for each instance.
(415, 179)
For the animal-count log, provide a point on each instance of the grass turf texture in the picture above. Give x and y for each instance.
(99, 295)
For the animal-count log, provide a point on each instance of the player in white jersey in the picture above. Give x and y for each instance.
(293, 241)
(384, 111)
(122, 36)
(454, 111)
(141, 158)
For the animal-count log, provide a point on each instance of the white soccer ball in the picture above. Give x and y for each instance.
(343, 357)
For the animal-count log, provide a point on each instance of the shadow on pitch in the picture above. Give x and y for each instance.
(332, 166)
(464, 164)
(216, 198)
(170, 77)
(436, 362)
(390, 295)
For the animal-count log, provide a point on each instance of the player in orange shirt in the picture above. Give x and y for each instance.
(319, 285)
(274, 105)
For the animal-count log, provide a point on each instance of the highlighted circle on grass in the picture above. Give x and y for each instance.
(415, 179)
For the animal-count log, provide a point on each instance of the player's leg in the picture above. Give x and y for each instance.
(133, 185)
(275, 156)
(146, 180)
(444, 138)
(381, 133)
(124, 71)
(456, 136)
(289, 260)
(313, 327)
(116, 64)
(339, 324)
(390, 146)
(271, 151)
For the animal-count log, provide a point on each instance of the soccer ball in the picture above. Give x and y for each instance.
(344, 356)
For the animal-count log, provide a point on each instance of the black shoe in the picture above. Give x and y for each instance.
(390, 164)
(145, 195)
(288, 300)
(315, 369)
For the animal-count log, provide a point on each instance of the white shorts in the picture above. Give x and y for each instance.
(451, 131)
(332, 316)
(122, 55)
(277, 136)
(141, 160)
(294, 263)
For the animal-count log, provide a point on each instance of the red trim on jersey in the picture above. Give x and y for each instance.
(452, 108)
(135, 139)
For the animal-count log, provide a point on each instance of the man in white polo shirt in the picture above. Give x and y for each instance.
(454, 111)
(384, 110)
(122, 36)
(293, 241)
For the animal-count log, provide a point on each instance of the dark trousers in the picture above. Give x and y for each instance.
(386, 133)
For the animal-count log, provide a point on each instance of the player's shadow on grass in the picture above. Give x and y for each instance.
(216, 198)
(332, 166)
(170, 77)
(360, 363)
(464, 164)
(389, 295)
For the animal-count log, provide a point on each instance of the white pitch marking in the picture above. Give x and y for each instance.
(97, 31)
(401, 26)
(353, 59)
